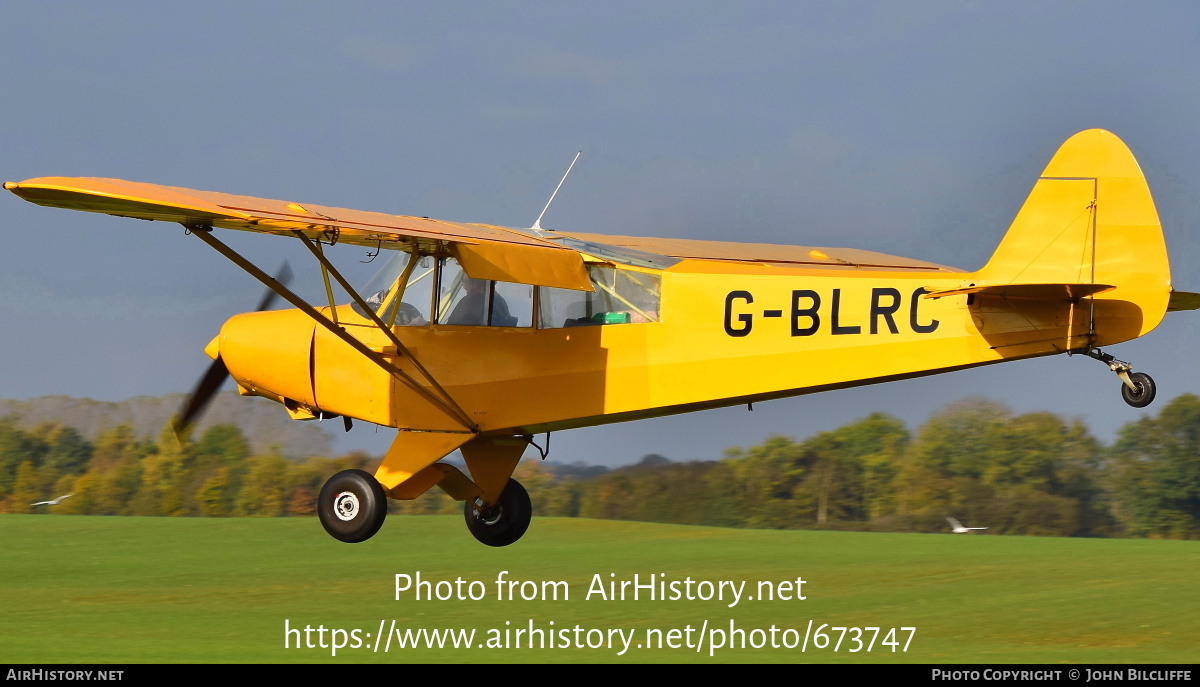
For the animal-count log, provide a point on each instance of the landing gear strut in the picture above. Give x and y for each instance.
(1137, 388)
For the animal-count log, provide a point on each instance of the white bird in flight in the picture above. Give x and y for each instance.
(958, 528)
(55, 502)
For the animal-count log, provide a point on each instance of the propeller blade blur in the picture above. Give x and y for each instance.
(217, 373)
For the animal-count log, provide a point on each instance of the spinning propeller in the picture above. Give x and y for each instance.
(217, 373)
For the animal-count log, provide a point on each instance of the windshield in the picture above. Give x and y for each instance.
(396, 306)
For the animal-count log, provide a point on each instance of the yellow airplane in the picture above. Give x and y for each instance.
(479, 338)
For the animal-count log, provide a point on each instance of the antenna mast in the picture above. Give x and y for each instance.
(537, 223)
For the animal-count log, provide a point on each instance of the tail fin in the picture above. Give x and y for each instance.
(1090, 220)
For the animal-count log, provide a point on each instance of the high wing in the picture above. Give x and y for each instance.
(485, 251)
(765, 253)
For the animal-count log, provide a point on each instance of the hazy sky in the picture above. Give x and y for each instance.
(910, 128)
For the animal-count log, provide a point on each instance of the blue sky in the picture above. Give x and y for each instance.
(909, 128)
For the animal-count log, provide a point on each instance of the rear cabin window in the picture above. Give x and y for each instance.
(620, 297)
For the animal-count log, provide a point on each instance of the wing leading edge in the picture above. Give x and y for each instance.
(485, 251)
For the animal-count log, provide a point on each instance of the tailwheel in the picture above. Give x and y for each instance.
(1137, 388)
(352, 506)
(504, 522)
(1141, 393)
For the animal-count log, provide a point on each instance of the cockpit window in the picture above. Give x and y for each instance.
(438, 290)
(620, 297)
(480, 302)
(409, 306)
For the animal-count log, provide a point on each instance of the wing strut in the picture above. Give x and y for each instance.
(445, 404)
(400, 347)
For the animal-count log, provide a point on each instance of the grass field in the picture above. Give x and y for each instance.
(124, 589)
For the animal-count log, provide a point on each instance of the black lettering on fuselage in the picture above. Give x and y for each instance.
(746, 319)
(886, 312)
(912, 315)
(810, 313)
(838, 327)
(886, 302)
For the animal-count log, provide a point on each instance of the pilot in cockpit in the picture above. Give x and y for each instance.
(472, 309)
(408, 315)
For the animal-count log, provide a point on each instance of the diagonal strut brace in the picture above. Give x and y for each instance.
(446, 405)
(400, 347)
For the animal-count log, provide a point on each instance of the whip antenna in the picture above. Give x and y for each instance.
(537, 223)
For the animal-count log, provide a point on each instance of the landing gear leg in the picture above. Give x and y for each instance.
(1137, 388)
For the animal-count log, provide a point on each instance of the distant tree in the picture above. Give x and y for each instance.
(64, 484)
(165, 476)
(17, 447)
(83, 489)
(68, 452)
(662, 491)
(115, 472)
(433, 502)
(551, 495)
(213, 498)
(26, 489)
(853, 468)
(607, 497)
(576, 470)
(653, 460)
(301, 501)
(264, 489)
(1025, 509)
(959, 440)
(765, 478)
(538, 482)
(1156, 472)
(222, 444)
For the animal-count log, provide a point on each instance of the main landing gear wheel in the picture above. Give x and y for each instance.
(1143, 393)
(503, 523)
(352, 506)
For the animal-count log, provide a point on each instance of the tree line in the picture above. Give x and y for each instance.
(975, 460)
(119, 474)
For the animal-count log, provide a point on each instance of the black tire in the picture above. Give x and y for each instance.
(1144, 395)
(352, 506)
(503, 523)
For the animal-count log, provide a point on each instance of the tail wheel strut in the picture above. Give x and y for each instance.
(1137, 388)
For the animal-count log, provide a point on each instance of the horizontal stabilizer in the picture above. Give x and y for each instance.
(1041, 292)
(1183, 300)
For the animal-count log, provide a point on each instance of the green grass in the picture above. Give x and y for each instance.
(115, 589)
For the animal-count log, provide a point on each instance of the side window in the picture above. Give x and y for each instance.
(559, 308)
(459, 300)
(462, 300)
(620, 297)
(512, 305)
